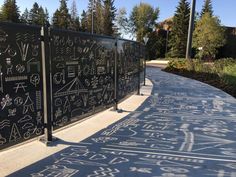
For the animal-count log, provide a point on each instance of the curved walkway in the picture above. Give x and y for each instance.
(185, 128)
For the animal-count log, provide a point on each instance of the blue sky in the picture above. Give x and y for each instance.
(225, 9)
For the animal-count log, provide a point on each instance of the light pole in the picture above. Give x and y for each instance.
(145, 39)
(190, 30)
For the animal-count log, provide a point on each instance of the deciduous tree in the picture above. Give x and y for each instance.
(208, 36)
(143, 19)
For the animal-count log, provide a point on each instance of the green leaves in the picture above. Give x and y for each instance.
(208, 36)
(143, 19)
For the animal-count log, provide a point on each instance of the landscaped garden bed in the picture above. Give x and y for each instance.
(220, 73)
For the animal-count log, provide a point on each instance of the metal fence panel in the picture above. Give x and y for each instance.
(79, 78)
(21, 115)
(82, 75)
(128, 68)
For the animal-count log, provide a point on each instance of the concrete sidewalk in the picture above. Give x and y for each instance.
(24, 155)
(158, 63)
(184, 128)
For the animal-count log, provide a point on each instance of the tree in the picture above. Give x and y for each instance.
(75, 23)
(90, 10)
(61, 17)
(156, 44)
(96, 9)
(99, 17)
(179, 32)
(25, 17)
(83, 25)
(122, 22)
(143, 19)
(10, 11)
(109, 17)
(37, 15)
(33, 14)
(208, 36)
(207, 8)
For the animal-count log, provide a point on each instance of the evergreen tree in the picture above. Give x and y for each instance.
(42, 19)
(25, 17)
(95, 7)
(99, 17)
(55, 19)
(143, 20)
(83, 25)
(91, 9)
(33, 14)
(46, 13)
(75, 23)
(179, 32)
(37, 15)
(10, 11)
(207, 8)
(74, 11)
(61, 17)
(208, 36)
(109, 17)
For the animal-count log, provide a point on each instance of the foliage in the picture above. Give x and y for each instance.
(61, 17)
(229, 74)
(143, 20)
(75, 23)
(177, 63)
(221, 73)
(108, 17)
(37, 15)
(207, 8)
(83, 24)
(94, 13)
(156, 45)
(99, 17)
(208, 35)
(179, 32)
(122, 21)
(25, 17)
(10, 11)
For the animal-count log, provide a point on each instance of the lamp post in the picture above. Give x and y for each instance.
(145, 39)
(190, 30)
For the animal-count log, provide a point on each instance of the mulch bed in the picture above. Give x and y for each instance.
(211, 79)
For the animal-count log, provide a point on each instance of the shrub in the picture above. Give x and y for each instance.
(229, 74)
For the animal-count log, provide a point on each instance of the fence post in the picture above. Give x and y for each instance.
(138, 93)
(46, 86)
(116, 77)
(145, 56)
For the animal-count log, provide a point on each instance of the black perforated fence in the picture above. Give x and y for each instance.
(21, 94)
(50, 78)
